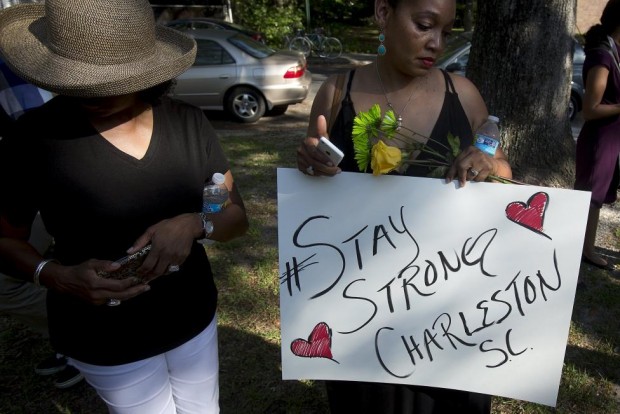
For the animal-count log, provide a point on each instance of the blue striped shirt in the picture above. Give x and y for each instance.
(18, 96)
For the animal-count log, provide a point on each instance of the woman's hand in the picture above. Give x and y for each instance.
(311, 161)
(84, 281)
(171, 242)
(470, 165)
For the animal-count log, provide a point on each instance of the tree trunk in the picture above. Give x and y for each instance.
(468, 18)
(521, 60)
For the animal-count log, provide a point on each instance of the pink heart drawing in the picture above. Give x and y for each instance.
(530, 215)
(318, 344)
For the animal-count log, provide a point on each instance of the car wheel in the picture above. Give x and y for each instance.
(245, 105)
(572, 107)
(278, 110)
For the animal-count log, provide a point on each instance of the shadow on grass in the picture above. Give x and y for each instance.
(23, 391)
(251, 379)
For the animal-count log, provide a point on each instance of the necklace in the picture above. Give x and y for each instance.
(399, 117)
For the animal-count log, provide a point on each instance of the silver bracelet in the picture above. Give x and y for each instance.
(37, 272)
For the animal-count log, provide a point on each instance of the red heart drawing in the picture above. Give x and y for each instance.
(318, 344)
(530, 215)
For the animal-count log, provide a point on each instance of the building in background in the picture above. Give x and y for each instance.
(588, 14)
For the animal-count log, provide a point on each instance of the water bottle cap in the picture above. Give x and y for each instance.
(218, 178)
(493, 118)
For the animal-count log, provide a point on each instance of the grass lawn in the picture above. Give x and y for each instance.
(247, 277)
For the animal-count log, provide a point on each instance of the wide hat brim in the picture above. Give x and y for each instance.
(23, 46)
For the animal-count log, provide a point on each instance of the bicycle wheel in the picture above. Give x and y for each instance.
(331, 48)
(300, 44)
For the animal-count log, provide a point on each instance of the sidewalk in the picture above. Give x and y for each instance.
(345, 61)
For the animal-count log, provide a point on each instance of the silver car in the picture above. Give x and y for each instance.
(241, 76)
(455, 58)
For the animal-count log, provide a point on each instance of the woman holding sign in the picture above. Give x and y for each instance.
(432, 103)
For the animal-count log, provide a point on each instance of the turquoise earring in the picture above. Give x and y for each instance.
(381, 49)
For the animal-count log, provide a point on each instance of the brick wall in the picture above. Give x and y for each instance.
(588, 14)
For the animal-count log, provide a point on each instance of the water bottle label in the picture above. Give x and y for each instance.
(486, 144)
(211, 208)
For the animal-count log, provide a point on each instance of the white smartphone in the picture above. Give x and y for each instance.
(329, 149)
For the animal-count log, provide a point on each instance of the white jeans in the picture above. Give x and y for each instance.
(183, 380)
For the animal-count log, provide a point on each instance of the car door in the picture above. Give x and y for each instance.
(205, 83)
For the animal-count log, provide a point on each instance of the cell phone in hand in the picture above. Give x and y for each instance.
(329, 149)
(129, 265)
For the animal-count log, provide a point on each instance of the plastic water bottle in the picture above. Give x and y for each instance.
(215, 194)
(487, 136)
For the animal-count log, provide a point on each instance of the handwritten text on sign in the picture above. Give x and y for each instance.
(411, 280)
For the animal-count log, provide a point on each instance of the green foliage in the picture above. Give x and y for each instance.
(325, 12)
(273, 19)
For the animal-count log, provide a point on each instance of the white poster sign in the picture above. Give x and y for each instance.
(411, 280)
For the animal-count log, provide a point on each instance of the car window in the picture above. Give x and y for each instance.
(463, 60)
(211, 53)
(579, 55)
(206, 25)
(454, 45)
(180, 25)
(251, 46)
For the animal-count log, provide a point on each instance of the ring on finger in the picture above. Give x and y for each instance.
(310, 170)
(173, 268)
(113, 302)
(474, 172)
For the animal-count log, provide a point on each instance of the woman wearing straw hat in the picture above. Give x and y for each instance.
(115, 166)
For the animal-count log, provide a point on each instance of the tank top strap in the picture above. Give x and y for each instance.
(448, 80)
(347, 96)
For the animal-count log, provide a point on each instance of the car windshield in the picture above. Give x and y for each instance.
(236, 26)
(456, 42)
(251, 46)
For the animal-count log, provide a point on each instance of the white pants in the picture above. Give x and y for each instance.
(183, 380)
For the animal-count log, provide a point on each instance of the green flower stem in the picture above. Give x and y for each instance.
(504, 180)
(424, 137)
(432, 163)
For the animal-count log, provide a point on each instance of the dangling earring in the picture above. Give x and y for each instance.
(381, 49)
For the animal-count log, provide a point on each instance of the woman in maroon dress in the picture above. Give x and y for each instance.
(598, 144)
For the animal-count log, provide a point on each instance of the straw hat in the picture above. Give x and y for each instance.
(92, 48)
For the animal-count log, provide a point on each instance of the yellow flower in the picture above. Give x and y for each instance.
(384, 158)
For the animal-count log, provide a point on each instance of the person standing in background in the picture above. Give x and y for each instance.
(598, 144)
(19, 299)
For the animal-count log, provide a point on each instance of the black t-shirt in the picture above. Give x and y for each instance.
(96, 200)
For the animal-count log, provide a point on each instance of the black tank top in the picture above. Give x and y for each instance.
(366, 398)
(452, 119)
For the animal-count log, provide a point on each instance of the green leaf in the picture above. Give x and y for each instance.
(438, 172)
(455, 144)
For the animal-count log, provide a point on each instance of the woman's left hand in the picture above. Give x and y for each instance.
(470, 165)
(171, 242)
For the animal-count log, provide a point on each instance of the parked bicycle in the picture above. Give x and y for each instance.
(324, 46)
